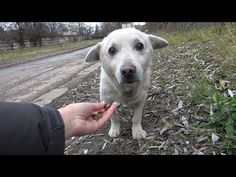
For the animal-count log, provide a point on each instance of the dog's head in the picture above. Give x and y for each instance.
(125, 54)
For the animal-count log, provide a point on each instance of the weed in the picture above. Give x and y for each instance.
(223, 119)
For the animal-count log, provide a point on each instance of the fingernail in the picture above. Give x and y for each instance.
(116, 103)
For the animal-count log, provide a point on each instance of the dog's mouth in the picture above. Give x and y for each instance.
(129, 82)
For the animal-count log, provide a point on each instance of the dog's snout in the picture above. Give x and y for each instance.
(128, 71)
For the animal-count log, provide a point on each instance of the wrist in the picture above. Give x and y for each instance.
(68, 126)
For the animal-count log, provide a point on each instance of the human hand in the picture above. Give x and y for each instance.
(78, 118)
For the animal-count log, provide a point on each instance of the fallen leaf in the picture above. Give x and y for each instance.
(180, 104)
(153, 147)
(163, 130)
(85, 151)
(146, 152)
(200, 153)
(186, 142)
(185, 150)
(104, 145)
(161, 146)
(211, 112)
(222, 84)
(176, 152)
(231, 94)
(200, 139)
(214, 138)
(185, 121)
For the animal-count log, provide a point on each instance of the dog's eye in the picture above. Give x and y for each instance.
(112, 51)
(139, 47)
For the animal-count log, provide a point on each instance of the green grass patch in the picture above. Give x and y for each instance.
(200, 91)
(223, 120)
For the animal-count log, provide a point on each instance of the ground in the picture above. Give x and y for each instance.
(171, 115)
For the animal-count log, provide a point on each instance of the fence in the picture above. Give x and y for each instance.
(45, 42)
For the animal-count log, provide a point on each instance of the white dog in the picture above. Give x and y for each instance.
(126, 59)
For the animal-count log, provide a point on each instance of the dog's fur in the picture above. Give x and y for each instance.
(114, 86)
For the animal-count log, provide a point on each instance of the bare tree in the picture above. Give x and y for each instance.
(177, 26)
(89, 32)
(55, 29)
(108, 27)
(20, 37)
(97, 32)
(35, 31)
(83, 30)
(8, 34)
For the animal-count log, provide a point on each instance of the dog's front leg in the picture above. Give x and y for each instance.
(115, 126)
(137, 130)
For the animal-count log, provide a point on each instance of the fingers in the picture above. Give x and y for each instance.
(98, 106)
(106, 116)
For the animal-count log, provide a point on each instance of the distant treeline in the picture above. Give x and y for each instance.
(14, 35)
(178, 26)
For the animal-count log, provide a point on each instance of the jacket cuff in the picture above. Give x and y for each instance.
(56, 130)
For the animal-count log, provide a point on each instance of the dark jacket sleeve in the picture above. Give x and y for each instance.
(30, 129)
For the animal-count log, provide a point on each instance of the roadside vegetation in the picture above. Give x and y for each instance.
(207, 74)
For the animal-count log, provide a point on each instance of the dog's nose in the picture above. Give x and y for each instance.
(128, 71)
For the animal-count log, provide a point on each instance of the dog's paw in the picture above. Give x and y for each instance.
(114, 133)
(138, 133)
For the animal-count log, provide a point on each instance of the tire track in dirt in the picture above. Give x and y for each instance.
(27, 82)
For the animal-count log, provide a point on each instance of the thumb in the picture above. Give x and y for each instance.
(107, 115)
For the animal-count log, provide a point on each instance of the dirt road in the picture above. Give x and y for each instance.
(43, 80)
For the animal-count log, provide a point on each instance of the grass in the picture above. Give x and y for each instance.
(200, 91)
(204, 86)
(7, 57)
(222, 39)
(223, 120)
(218, 46)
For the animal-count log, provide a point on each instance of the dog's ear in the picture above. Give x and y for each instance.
(157, 42)
(93, 54)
